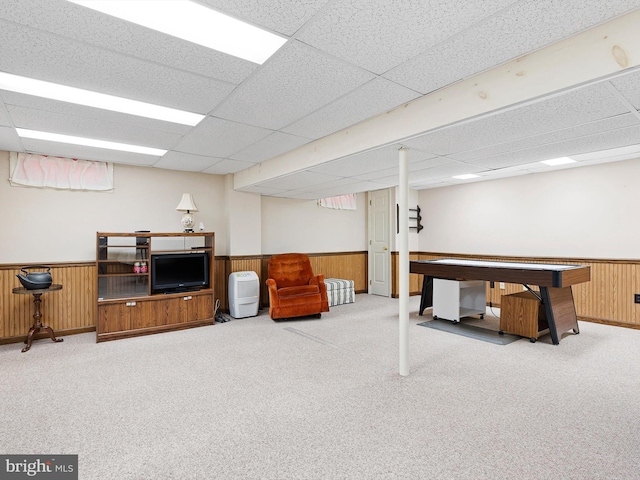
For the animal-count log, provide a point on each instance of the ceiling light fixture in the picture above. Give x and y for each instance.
(89, 142)
(558, 161)
(466, 176)
(194, 23)
(54, 91)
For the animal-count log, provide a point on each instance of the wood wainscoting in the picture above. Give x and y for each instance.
(73, 309)
(608, 298)
(70, 310)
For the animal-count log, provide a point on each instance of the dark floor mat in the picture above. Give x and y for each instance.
(470, 331)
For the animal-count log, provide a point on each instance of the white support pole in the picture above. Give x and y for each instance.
(403, 249)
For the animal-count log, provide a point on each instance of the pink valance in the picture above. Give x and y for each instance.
(341, 202)
(32, 170)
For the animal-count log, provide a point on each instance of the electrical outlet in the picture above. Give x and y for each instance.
(636, 298)
(502, 287)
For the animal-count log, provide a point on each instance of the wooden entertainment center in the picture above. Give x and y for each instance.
(127, 305)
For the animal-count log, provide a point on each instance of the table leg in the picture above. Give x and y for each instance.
(426, 298)
(37, 324)
(560, 310)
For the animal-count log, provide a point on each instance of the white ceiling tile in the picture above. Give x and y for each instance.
(334, 182)
(78, 126)
(5, 119)
(442, 171)
(618, 153)
(87, 153)
(270, 146)
(109, 33)
(263, 190)
(352, 108)
(284, 16)
(523, 27)
(216, 137)
(388, 173)
(227, 166)
(627, 85)
(304, 196)
(601, 141)
(391, 32)
(373, 160)
(55, 59)
(355, 187)
(323, 80)
(186, 162)
(296, 81)
(573, 108)
(584, 130)
(9, 140)
(302, 179)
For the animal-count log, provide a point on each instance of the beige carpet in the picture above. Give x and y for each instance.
(322, 399)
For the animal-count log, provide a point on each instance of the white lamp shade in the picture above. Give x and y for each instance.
(187, 204)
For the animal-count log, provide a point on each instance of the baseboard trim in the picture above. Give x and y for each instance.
(611, 323)
(41, 336)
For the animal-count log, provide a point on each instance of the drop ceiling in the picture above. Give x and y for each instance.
(343, 63)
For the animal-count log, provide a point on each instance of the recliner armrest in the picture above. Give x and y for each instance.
(273, 292)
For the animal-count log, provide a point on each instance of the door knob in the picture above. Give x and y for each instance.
(385, 248)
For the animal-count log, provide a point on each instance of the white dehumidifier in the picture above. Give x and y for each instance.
(244, 291)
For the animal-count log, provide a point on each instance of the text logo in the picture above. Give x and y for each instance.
(43, 467)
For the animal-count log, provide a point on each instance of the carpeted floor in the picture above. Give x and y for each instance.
(322, 399)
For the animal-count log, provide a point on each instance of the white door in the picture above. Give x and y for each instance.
(379, 243)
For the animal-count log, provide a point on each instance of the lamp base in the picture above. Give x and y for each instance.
(188, 222)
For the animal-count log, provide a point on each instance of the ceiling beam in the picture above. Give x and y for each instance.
(581, 59)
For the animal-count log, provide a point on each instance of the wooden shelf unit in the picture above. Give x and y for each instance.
(126, 306)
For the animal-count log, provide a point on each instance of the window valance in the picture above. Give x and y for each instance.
(31, 170)
(341, 202)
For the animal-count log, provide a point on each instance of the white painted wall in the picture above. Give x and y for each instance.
(301, 226)
(586, 212)
(48, 225)
(244, 221)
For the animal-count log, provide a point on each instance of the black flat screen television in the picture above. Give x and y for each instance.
(177, 272)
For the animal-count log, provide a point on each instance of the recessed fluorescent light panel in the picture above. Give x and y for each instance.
(466, 176)
(194, 23)
(54, 91)
(558, 161)
(89, 142)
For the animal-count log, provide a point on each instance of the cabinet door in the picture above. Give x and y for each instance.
(141, 316)
(113, 317)
(200, 307)
(168, 311)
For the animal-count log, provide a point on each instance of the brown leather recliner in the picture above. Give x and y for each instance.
(294, 291)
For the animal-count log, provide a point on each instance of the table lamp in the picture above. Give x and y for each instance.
(187, 205)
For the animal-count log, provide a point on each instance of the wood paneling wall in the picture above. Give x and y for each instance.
(70, 310)
(607, 298)
(73, 309)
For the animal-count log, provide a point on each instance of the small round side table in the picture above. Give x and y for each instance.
(37, 316)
